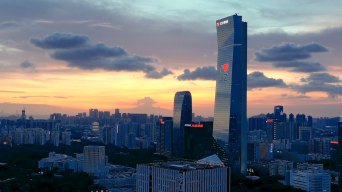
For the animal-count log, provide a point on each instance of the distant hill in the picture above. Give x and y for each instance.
(259, 116)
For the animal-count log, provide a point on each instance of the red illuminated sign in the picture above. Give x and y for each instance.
(334, 142)
(269, 120)
(196, 125)
(225, 67)
(163, 122)
(218, 24)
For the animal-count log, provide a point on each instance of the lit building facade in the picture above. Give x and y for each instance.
(313, 181)
(66, 138)
(198, 140)
(182, 176)
(182, 114)
(339, 155)
(164, 137)
(95, 161)
(230, 121)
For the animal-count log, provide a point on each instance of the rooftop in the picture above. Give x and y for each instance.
(186, 165)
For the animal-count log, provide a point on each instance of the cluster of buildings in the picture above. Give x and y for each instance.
(92, 161)
(208, 174)
(301, 138)
(45, 132)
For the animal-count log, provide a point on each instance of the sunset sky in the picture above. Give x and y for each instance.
(67, 56)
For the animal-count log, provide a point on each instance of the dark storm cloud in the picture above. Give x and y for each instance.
(321, 77)
(9, 24)
(60, 41)
(158, 75)
(79, 52)
(90, 52)
(299, 66)
(314, 86)
(257, 79)
(288, 52)
(204, 73)
(130, 64)
(27, 64)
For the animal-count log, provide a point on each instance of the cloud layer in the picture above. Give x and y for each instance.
(288, 52)
(257, 79)
(332, 91)
(299, 66)
(9, 24)
(79, 52)
(322, 78)
(204, 73)
(60, 41)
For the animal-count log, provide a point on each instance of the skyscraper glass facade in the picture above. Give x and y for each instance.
(182, 114)
(230, 122)
(339, 163)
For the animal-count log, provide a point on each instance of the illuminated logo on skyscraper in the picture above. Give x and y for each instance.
(225, 67)
(222, 23)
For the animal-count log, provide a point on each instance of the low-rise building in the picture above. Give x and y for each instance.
(312, 181)
(208, 174)
(61, 161)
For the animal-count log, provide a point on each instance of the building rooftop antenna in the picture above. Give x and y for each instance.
(237, 13)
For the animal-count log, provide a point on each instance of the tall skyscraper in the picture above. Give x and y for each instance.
(164, 137)
(339, 152)
(278, 111)
(96, 113)
(300, 118)
(309, 122)
(291, 118)
(91, 112)
(182, 114)
(230, 121)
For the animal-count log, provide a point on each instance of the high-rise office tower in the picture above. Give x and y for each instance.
(230, 121)
(91, 112)
(309, 122)
(182, 114)
(291, 118)
(95, 161)
(66, 138)
(23, 118)
(101, 114)
(339, 152)
(198, 140)
(96, 113)
(278, 111)
(106, 114)
(300, 118)
(124, 115)
(256, 123)
(164, 137)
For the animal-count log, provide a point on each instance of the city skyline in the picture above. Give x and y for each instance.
(170, 54)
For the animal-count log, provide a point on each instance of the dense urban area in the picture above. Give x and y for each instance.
(41, 155)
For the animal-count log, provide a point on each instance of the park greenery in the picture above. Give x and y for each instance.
(21, 172)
